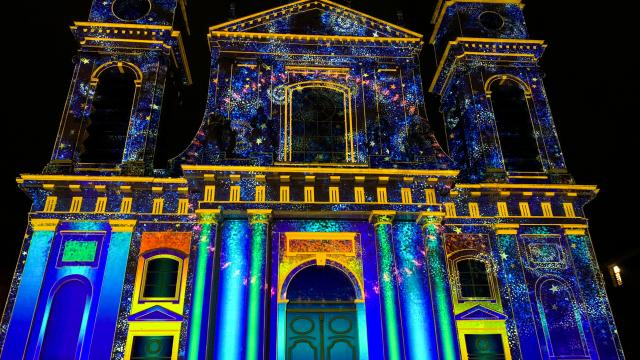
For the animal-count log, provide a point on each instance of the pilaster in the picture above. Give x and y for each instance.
(439, 282)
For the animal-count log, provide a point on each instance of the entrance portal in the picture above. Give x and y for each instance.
(322, 322)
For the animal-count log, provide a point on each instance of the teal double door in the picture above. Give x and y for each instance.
(321, 331)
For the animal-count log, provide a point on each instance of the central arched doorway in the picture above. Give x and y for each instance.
(321, 316)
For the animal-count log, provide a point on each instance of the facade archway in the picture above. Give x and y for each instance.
(322, 315)
(65, 319)
(322, 321)
(560, 319)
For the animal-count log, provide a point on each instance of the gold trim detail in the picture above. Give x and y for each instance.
(44, 224)
(507, 229)
(122, 225)
(239, 24)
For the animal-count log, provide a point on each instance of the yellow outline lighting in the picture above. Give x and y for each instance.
(348, 121)
(276, 12)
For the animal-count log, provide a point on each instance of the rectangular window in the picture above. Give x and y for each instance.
(334, 194)
(569, 211)
(359, 195)
(407, 197)
(76, 204)
(382, 195)
(158, 206)
(261, 193)
(450, 209)
(234, 195)
(546, 209)
(152, 348)
(524, 209)
(309, 194)
(474, 210)
(284, 194)
(50, 204)
(161, 279)
(210, 193)
(484, 347)
(183, 206)
(473, 279)
(502, 209)
(431, 196)
(101, 204)
(125, 207)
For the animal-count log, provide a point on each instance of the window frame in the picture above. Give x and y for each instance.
(141, 286)
(490, 279)
(286, 142)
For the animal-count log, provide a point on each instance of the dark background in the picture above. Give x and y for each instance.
(589, 74)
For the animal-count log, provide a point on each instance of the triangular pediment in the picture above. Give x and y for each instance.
(480, 313)
(316, 17)
(155, 313)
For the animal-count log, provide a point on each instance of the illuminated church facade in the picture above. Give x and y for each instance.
(314, 215)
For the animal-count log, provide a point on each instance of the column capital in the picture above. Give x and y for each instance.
(122, 225)
(209, 216)
(44, 224)
(428, 218)
(382, 217)
(506, 229)
(259, 216)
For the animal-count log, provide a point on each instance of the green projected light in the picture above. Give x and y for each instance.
(79, 251)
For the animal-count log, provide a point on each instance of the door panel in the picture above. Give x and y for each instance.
(322, 334)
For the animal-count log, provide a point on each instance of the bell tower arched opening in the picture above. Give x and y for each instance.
(106, 132)
(515, 127)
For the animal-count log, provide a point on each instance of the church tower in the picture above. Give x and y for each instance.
(496, 110)
(130, 51)
(65, 299)
(314, 214)
(514, 187)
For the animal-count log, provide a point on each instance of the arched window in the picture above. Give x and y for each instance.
(515, 127)
(106, 133)
(321, 283)
(318, 133)
(64, 324)
(473, 279)
(161, 278)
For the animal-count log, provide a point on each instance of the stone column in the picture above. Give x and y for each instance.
(111, 292)
(593, 292)
(382, 222)
(208, 221)
(511, 278)
(440, 290)
(258, 289)
(413, 287)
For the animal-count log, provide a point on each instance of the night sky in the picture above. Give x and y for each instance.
(585, 63)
